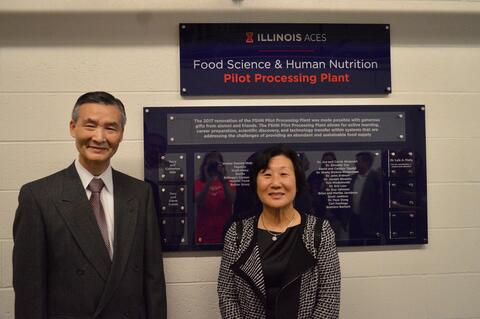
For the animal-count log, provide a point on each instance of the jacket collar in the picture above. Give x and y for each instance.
(76, 211)
(126, 207)
(248, 265)
(301, 260)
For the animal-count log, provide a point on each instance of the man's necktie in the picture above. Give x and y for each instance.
(95, 187)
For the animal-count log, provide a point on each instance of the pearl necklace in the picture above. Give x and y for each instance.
(274, 235)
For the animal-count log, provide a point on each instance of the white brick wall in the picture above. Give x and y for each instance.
(131, 48)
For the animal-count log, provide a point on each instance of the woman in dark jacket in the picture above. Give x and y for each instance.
(280, 263)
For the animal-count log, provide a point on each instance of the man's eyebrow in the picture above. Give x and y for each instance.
(112, 124)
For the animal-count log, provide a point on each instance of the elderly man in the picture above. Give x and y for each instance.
(86, 239)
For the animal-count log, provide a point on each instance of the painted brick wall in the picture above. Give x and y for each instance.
(51, 53)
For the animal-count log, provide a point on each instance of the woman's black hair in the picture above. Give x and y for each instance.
(263, 158)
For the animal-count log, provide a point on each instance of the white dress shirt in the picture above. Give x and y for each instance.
(106, 195)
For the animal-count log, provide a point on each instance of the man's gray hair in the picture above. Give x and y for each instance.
(99, 97)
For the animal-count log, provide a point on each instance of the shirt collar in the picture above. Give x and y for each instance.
(86, 177)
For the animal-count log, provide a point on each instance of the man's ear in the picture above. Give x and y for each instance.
(123, 131)
(72, 126)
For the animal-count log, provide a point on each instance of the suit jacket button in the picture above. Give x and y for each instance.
(80, 272)
(127, 314)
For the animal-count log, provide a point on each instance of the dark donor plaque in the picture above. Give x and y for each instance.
(173, 230)
(403, 194)
(402, 164)
(403, 225)
(218, 174)
(345, 188)
(366, 174)
(171, 168)
(172, 198)
(278, 127)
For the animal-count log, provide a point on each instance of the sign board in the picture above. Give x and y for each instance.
(365, 168)
(267, 59)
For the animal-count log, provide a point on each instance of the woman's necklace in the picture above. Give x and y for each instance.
(275, 235)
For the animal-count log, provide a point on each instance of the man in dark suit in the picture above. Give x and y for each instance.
(86, 239)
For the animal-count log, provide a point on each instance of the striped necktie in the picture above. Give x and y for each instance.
(95, 187)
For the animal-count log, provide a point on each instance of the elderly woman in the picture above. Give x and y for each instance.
(280, 263)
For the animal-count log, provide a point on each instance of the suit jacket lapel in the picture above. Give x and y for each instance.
(126, 211)
(75, 209)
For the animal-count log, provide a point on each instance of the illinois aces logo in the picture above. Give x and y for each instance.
(249, 38)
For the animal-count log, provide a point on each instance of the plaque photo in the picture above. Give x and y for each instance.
(365, 168)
